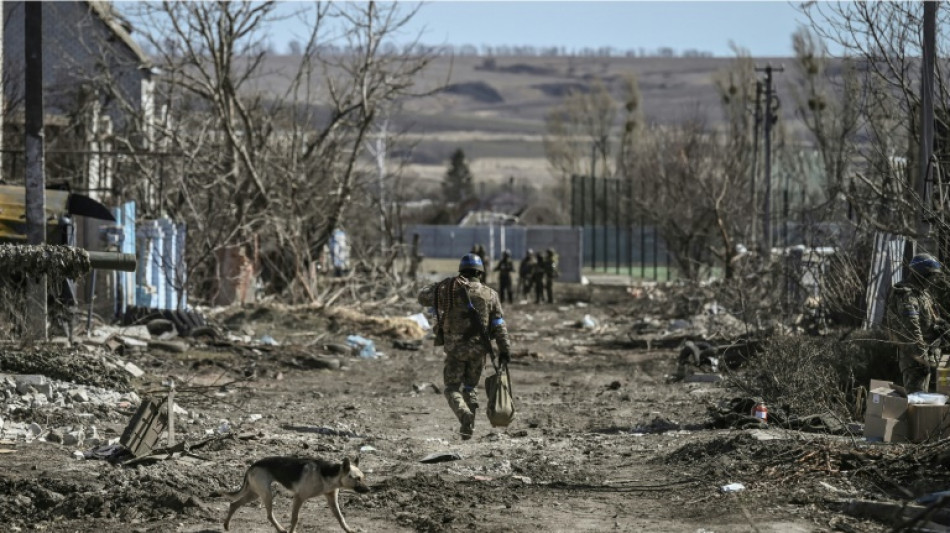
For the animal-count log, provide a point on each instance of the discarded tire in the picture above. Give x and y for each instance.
(158, 326)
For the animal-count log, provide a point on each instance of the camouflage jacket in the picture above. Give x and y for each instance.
(505, 267)
(461, 335)
(912, 318)
(526, 267)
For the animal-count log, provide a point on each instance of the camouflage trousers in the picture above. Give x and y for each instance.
(916, 376)
(460, 376)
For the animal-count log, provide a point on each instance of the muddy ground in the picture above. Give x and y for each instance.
(602, 441)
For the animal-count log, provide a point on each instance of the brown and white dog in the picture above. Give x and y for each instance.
(305, 478)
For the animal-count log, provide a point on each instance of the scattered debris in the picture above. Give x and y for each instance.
(422, 387)
(440, 458)
(732, 487)
(363, 346)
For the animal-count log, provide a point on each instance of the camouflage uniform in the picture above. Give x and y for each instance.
(525, 271)
(505, 267)
(465, 350)
(912, 325)
(551, 273)
(537, 278)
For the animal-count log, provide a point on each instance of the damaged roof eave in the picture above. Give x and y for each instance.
(103, 10)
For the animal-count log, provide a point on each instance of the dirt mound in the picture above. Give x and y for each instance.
(128, 495)
(476, 90)
(560, 90)
(428, 502)
(73, 364)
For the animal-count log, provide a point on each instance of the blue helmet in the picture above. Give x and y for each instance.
(471, 262)
(925, 264)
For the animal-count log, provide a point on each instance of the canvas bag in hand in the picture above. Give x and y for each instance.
(501, 406)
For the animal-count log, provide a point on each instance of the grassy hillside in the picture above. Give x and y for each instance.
(494, 109)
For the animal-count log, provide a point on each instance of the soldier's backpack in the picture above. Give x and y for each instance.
(501, 406)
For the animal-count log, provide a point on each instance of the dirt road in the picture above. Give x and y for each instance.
(601, 443)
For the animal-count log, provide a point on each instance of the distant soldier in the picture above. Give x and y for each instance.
(479, 250)
(415, 257)
(551, 272)
(525, 270)
(913, 323)
(467, 311)
(505, 267)
(537, 277)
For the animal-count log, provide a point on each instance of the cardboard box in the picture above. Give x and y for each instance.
(927, 422)
(885, 429)
(943, 380)
(886, 402)
(877, 384)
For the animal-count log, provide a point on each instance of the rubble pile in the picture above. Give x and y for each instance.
(80, 364)
(33, 394)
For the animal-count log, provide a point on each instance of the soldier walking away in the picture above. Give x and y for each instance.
(525, 270)
(537, 277)
(913, 323)
(551, 273)
(465, 310)
(505, 267)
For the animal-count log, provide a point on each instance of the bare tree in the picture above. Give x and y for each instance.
(578, 136)
(275, 168)
(885, 42)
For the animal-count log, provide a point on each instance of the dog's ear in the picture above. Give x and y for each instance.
(356, 462)
(346, 465)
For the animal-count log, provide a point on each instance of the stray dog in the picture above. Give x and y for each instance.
(305, 478)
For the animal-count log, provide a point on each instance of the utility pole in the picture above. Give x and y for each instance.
(755, 165)
(35, 178)
(926, 119)
(770, 118)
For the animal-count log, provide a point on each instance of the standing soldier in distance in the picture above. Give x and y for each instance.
(525, 270)
(537, 277)
(913, 323)
(505, 267)
(479, 250)
(465, 310)
(551, 273)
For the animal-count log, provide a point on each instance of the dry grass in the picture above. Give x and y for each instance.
(805, 375)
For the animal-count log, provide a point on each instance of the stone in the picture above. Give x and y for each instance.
(73, 438)
(55, 435)
(78, 395)
(25, 382)
(35, 429)
(39, 400)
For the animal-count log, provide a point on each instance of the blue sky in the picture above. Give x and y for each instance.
(763, 27)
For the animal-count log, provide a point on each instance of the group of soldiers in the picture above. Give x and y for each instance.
(537, 271)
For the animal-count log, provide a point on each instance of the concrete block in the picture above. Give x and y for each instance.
(134, 370)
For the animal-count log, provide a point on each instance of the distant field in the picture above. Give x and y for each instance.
(496, 115)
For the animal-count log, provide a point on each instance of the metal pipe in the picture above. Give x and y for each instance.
(112, 261)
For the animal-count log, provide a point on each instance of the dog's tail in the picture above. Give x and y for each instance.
(234, 496)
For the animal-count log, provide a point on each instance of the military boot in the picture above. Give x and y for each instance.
(468, 425)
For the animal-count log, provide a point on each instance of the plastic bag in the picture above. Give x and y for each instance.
(367, 348)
